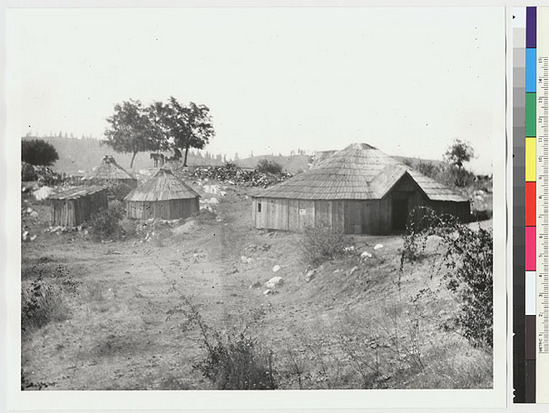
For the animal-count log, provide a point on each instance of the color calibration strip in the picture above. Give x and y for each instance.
(530, 205)
(519, 201)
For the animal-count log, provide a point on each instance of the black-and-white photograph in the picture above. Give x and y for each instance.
(257, 198)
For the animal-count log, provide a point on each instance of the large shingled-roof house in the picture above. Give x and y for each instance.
(357, 190)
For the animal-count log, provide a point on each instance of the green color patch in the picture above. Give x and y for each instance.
(530, 114)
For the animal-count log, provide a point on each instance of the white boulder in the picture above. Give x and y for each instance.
(274, 282)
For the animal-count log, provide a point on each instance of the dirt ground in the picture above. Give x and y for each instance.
(125, 326)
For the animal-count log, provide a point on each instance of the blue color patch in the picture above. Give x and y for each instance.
(530, 70)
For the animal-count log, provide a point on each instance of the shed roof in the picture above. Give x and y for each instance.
(108, 170)
(78, 192)
(162, 186)
(357, 172)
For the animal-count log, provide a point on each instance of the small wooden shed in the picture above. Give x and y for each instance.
(357, 190)
(75, 206)
(163, 196)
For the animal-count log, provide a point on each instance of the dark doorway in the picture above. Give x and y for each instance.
(400, 214)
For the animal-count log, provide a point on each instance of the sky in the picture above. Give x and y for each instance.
(406, 80)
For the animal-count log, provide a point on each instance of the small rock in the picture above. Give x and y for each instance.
(246, 260)
(365, 255)
(349, 249)
(267, 292)
(29, 210)
(353, 270)
(310, 275)
(274, 282)
(255, 284)
(378, 246)
(33, 237)
(276, 268)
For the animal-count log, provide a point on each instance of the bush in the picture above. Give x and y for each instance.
(238, 362)
(234, 361)
(40, 305)
(267, 166)
(322, 244)
(469, 257)
(119, 191)
(38, 152)
(105, 224)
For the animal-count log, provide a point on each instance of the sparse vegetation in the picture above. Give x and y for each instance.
(351, 325)
(41, 304)
(320, 244)
(469, 258)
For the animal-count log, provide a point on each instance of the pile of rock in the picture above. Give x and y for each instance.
(235, 175)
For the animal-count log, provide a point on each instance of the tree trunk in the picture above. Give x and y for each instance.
(186, 152)
(133, 157)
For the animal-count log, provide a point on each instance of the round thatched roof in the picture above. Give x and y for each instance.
(162, 186)
(358, 172)
(108, 170)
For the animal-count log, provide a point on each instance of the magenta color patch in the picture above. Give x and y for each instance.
(530, 249)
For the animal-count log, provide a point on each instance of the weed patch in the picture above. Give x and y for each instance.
(41, 304)
(321, 244)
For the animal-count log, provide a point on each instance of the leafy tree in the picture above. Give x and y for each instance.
(186, 126)
(132, 129)
(38, 152)
(458, 153)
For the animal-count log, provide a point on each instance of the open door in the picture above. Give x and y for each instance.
(399, 214)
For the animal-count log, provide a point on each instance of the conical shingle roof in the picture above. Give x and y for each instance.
(162, 186)
(358, 172)
(109, 170)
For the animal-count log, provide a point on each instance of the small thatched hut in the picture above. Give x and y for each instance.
(357, 190)
(74, 206)
(119, 181)
(163, 196)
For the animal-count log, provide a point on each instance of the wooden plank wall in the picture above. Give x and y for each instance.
(285, 214)
(323, 214)
(172, 209)
(74, 212)
(293, 215)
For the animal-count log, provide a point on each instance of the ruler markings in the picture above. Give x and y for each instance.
(542, 266)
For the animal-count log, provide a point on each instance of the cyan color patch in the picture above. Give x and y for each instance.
(530, 70)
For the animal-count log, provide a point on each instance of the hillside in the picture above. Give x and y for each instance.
(84, 154)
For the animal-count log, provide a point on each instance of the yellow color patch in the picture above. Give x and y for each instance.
(530, 173)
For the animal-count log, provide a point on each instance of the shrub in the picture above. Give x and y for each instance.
(322, 244)
(119, 190)
(267, 166)
(106, 223)
(469, 257)
(238, 362)
(40, 305)
(27, 172)
(38, 152)
(234, 361)
(428, 169)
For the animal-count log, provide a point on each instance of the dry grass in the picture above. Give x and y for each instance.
(343, 329)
